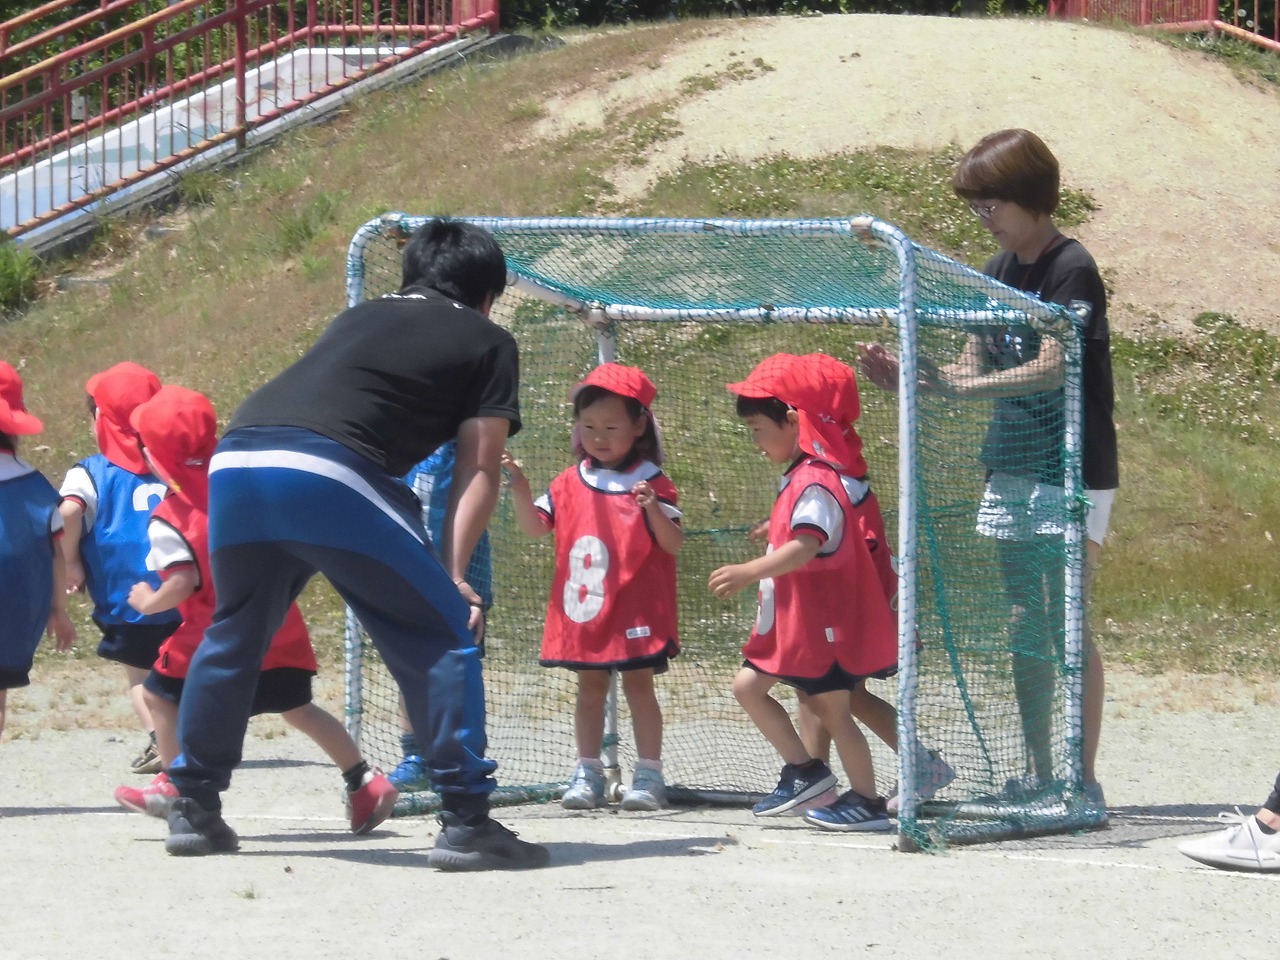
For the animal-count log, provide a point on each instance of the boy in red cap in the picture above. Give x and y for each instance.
(613, 596)
(106, 501)
(178, 432)
(31, 566)
(824, 623)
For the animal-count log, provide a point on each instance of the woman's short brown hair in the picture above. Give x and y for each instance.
(1013, 165)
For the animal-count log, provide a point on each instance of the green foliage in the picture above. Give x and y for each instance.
(1250, 62)
(301, 224)
(907, 188)
(1220, 376)
(198, 188)
(19, 270)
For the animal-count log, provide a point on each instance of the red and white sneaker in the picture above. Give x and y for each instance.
(154, 799)
(372, 803)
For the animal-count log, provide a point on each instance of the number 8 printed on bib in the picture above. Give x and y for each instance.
(583, 596)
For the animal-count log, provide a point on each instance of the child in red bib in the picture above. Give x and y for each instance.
(824, 623)
(613, 596)
(178, 431)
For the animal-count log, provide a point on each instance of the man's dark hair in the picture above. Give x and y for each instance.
(459, 259)
(7, 444)
(770, 407)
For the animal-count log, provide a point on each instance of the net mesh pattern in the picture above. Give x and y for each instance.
(988, 661)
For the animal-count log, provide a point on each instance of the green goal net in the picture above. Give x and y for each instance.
(989, 629)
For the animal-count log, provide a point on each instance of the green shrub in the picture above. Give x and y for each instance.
(19, 270)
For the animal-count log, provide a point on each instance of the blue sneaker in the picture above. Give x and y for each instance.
(794, 788)
(410, 775)
(851, 813)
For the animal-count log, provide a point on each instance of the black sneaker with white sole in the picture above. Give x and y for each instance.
(197, 832)
(795, 786)
(488, 846)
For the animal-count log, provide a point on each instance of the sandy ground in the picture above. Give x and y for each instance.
(1180, 156)
(83, 878)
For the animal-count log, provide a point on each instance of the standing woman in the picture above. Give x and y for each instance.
(1010, 180)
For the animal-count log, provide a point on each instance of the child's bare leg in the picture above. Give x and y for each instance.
(646, 714)
(877, 715)
(328, 733)
(751, 688)
(164, 713)
(816, 739)
(141, 707)
(4, 708)
(832, 708)
(588, 714)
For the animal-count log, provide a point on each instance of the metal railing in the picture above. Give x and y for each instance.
(1254, 21)
(91, 103)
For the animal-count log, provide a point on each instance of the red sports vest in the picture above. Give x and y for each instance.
(833, 609)
(613, 596)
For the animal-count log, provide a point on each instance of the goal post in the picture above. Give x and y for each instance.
(988, 682)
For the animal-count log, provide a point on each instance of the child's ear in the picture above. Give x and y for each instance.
(793, 417)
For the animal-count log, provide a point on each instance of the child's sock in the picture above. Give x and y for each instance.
(654, 765)
(592, 763)
(1263, 828)
(409, 745)
(355, 776)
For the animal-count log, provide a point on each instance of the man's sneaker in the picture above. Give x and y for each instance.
(372, 803)
(197, 832)
(795, 788)
(410, 774)
(851, 813)
(1241, 846)
(934, 774)
(586, 789)
(648, 791)
(155, 799)
(148, 761)
(489, 846)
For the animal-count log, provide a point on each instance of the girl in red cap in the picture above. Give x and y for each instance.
(178, 431)
(31, 566)
(824, 623)
(106, 501)
(613, 596)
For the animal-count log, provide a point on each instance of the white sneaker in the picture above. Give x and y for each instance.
(586, 789)
(1242, 846)
(934, 774)
(648, 791)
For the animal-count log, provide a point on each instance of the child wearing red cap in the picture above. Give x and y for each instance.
(613, 596)
(824, 623)
(31, 566)
(106, 502)
(178, 432)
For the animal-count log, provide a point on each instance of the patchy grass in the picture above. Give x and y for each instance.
(1190, 576)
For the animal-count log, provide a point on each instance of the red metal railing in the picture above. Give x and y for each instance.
(1255, 21)
(76, 87)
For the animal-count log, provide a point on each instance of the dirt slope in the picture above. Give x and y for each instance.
(1180, 154)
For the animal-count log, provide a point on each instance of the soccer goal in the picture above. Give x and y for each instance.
(696, 304)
